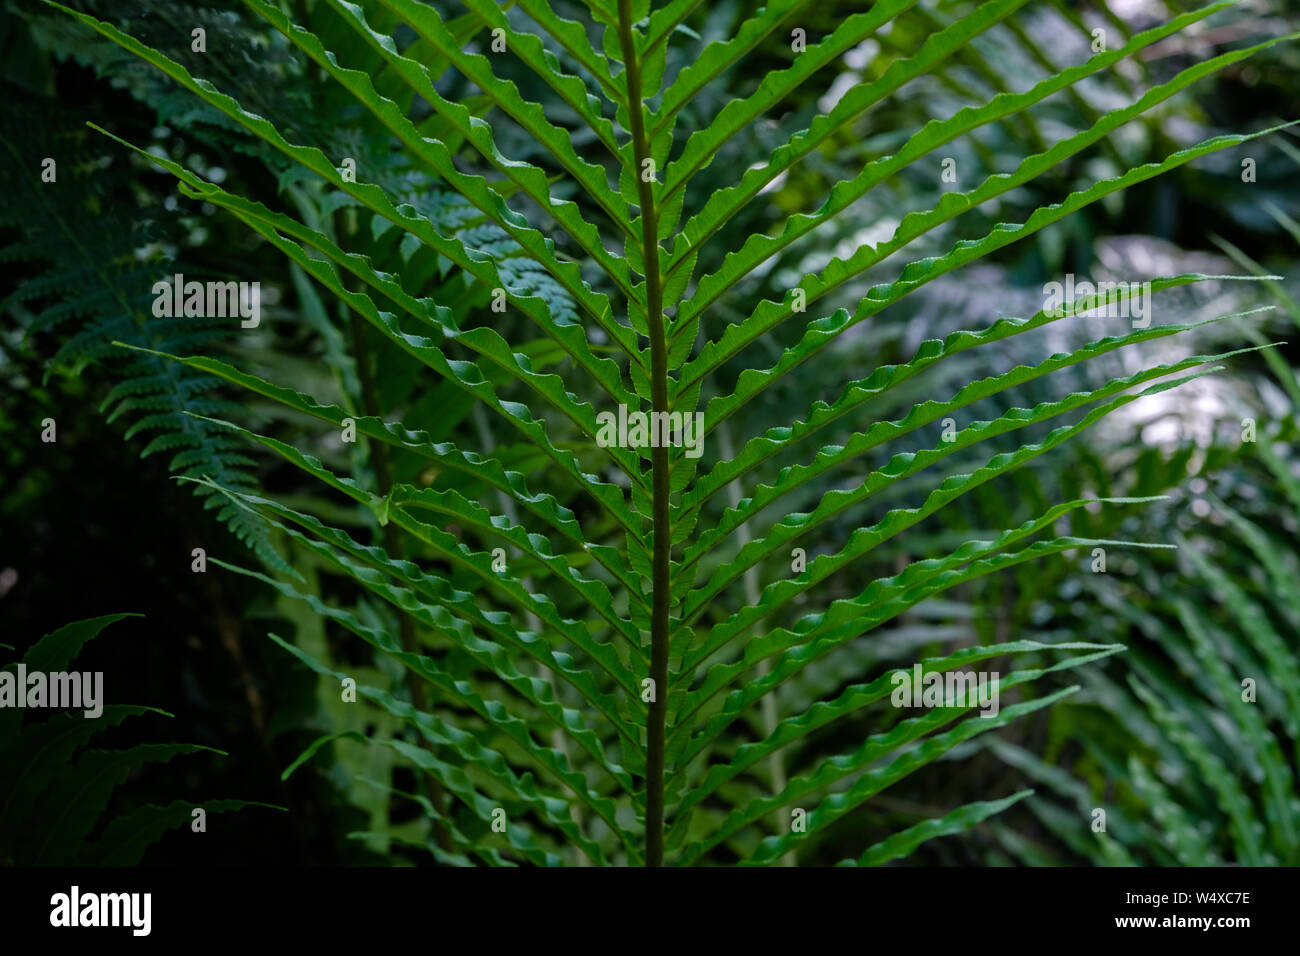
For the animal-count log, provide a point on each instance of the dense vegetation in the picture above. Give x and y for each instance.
(421, 576)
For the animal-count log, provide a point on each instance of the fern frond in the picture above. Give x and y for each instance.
(603, 653)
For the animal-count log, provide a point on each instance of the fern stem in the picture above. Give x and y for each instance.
(656, 717)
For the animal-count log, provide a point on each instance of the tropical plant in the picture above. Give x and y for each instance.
(596, 608)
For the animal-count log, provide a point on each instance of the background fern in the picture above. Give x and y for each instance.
(94, 263)
(1193, 754)
(91, 278)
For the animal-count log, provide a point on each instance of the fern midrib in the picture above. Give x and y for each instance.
(656, 718)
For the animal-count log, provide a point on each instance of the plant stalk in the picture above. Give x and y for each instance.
(656, 719)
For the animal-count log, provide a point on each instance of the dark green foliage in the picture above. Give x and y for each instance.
(90, 282)
(56, 788)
